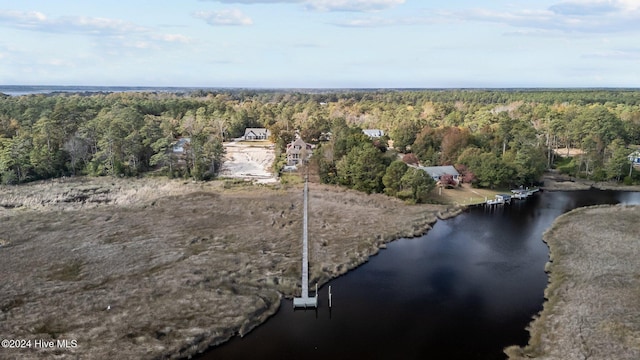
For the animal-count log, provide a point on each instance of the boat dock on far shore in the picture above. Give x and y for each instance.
(518, 194)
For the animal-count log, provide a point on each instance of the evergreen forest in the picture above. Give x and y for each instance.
(495, 138)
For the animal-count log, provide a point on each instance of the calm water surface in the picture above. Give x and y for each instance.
(465, 290)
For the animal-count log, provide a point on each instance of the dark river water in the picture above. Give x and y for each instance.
(465, 290)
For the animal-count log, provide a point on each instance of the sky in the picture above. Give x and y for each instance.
(321, 43)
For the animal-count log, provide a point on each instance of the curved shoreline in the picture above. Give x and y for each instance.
(556, 182)
(167, 269)
(251, 277)
(514, 352)
(594, 280)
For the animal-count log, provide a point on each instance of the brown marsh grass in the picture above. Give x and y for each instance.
(153, 268)
(592, 309)
(554, 181)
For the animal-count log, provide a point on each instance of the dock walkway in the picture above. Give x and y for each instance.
(304, 301)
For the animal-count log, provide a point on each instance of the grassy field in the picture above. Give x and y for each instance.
(150, 268)
(465, 195)
(553, 181)
(592, 309)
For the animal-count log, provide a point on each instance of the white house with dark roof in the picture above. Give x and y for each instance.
(634, 157)
(253, 134)
(373, 133)
(438, 171)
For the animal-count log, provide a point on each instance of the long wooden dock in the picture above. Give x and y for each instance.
(304, 301)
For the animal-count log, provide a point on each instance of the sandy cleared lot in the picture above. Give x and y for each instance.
(250, 161)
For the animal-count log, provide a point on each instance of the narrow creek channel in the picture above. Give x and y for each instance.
(465, 290)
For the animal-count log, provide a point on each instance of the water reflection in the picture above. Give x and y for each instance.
(465, 290)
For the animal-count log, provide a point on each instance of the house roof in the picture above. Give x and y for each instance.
(440, 170)
(298, 141)
(256, 132)
(178, 146)
(373, 133)
(291, 147)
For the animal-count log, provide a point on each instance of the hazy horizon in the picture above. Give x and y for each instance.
(322, 43)
(133, 87)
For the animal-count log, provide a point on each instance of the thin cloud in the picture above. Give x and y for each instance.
(576, 17)
(352, 5)
(629, 54)
(326, 5)
(172, 38)
(594, 7)
(530, 33)
(37, 21)
(584, 8)
(371, 22)
(114, 29)
(252, 2)
(22, 19)
(229, 17)
(629, 4)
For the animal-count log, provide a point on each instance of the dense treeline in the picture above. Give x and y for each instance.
(494, 137)
(115, 134)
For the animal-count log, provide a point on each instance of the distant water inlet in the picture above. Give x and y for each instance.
(19, 90)
(465, 290)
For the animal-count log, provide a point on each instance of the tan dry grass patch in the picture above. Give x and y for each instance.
(180, 265)
(465, 195)
(592, 308)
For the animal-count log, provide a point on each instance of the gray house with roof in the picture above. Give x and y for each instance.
(438, 171)
(373, 133)
(253, 134)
